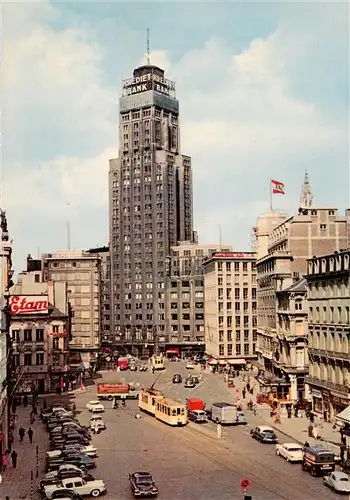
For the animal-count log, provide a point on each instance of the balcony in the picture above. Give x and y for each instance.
(329, 354)
(58, 368)
(323, 384)
(36, 369)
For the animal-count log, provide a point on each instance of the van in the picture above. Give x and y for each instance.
(318, 461)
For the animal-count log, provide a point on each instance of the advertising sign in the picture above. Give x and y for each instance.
(112, 388)
(28, 304)
(233, 255)
(149, 81)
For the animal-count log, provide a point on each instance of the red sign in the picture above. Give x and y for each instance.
(233, 255)
(103, 388)
(28, 304)
(59, 334)
(245, 484)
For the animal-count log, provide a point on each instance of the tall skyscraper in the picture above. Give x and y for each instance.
(150, 209)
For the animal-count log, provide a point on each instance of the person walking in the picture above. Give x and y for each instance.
(14, 456)
(32, 417)
(21, 433)
(4, 462)
(30, 434)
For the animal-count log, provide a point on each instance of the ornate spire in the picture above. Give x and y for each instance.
(306, 193)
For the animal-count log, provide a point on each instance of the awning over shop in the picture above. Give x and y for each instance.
(238, 361)
(212, 361)
(344, 415)
(222, 362)
(173, 350)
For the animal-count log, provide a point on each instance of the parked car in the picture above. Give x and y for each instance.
(95, 406)
(97, 420)
(264, 434)
(143, 368)
(51, 480)
(174, 359)
(84, 488)
(133, 367)
(189, 383)
(195, 379)
(75, 458)
(190, 365)
(64, 494)
(89, 450)
(338, 482)
(198, 416)
(65, 469)
(177, 379)
(142, 484)
(292, 452)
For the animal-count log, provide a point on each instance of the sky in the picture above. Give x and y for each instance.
(263, 91)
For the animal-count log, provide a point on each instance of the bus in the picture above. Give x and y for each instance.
(148, 399)
(171, 412)
(157, 362)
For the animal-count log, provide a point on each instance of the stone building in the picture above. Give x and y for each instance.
(185, 294)
(313, 231)
(230, 306)
(81, 271)
(328, 280)
(39, 330)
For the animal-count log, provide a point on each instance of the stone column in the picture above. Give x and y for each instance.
(293, 388)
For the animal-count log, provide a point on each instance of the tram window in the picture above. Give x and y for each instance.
(178, 410)
(153, 401)
(182, 411)
(174, 413)
(168, 411)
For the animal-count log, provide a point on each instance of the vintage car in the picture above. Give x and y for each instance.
(89, 450)
(189, 383)
(93, 488)
(75, 458)
(64, 494)
(338, 482)
(318, 461)
(177, 379)
(95, 406)
(264, 434)
(198, 416)
(50, 480)
(142, 484)
(292, 452)
(190, 365)
(97, 420)
(66, 468)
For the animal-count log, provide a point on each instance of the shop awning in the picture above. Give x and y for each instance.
(212, 361)
(238, 361)
(222, 362)
(173, 350)
(344, 415)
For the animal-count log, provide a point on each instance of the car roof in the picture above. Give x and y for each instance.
(338, 474)
(142, 474)
(292, 445)
(265, 428)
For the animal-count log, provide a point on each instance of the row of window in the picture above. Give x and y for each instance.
(236, 320)
(238, 308)
(229, 335)
(238, 295)
(228, 349)
(30, 334)
(237, 266)
(338, 315)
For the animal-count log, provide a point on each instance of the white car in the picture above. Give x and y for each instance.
(95, 406)
(62, 468)
(93, 488)
(338, 482)
(190, 366)
(88, 450)
(292, 452)
(97, 421)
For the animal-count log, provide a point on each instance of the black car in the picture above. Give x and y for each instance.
(177, 379)
(143, 485)
(78, 459)
(264, 434)
(56, 495)
(189, 383)
(66, 430)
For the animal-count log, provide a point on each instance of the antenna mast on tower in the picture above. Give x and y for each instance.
(148, 54)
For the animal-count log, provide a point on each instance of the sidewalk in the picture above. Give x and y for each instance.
(295, 429)
(16, 483)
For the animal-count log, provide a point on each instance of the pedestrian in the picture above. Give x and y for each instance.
(342, 453)
(32, 417)
(255, 409)
(35, 410)
(30, 434)
(4, 462)
(243, 393)
(14, 456)
(21, 433)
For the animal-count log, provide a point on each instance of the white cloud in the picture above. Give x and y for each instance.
(240, 122)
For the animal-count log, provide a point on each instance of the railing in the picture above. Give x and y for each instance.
(329, 354)
(328, 385)
(37, 369)
(58, 368)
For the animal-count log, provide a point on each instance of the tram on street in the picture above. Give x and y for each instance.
(157, 362)
(171, 412)
(148, 399)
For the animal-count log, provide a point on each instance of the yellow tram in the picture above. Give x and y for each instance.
(148, 399)
(171, 412)
(157, 362)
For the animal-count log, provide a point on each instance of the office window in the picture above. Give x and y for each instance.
(39, 335)
(221, 350)
(246, 335)
(229, 335)
(27, 335)
(228, 267)
(220, 267)
(220, 280)
(236, 266)
(246, 349)
(238, 335)
(55, 343)
(237, 293)
(238, 349)
(245, 267)
(27, 358)
(229, 350)
(39, 358)
(221, 335)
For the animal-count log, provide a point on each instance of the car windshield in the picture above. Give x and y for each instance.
(270, 433)
(343, 479)
(294, 449)
(144, 481)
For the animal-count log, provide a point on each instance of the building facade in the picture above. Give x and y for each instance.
(150, 193)
(6, 273)
(230, 306)
(81, 271)
(291, 355)
(185, 294)
(328, 280)
(313, 231)
(39, 331)
(103, 253)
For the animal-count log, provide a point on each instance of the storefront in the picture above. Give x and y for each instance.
(317, 400)
(327, 410)
(338, 404)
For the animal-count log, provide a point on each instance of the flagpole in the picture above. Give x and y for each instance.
(270, 194)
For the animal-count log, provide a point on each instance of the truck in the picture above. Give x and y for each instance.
(117, 390)
(123, 363)
(195, 404)
(227, 414)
